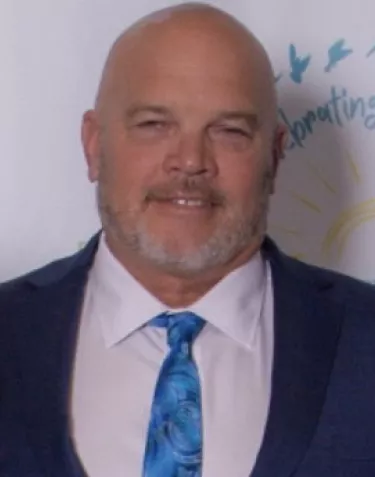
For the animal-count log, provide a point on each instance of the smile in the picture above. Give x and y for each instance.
(190, 202)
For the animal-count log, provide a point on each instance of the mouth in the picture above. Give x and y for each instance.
(185, 204)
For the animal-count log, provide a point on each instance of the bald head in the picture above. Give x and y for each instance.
(201, 30)
(183, 142)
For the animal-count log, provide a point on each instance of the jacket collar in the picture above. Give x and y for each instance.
(307, 326)
(307, 322)
(56, 271)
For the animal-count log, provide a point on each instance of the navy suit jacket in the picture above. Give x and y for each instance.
(321, 421)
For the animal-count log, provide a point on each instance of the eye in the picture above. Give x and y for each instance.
(231, 132)
(152, 128)
(232, 137)
(236, 131)
(152, 124)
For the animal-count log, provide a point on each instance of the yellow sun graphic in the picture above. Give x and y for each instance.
(337, 225)
(349, 220)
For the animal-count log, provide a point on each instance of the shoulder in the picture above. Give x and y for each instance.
(343, 289)
(18, 290)
(355, 294)
(16, 294)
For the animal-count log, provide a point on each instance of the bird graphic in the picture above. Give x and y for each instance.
(298, 64)
(371, 52)
(278, 77)
(336, 53)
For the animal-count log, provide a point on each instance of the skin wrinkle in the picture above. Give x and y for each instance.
(186, 107)
(135, 32)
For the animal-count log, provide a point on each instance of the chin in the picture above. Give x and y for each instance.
(184, 261)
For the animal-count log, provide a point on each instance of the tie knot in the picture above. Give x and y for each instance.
(182, 327)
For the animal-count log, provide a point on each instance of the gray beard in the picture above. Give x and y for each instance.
(230, 239)
(220, 249)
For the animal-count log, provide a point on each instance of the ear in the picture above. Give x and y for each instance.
(90, 132)
(278, 150)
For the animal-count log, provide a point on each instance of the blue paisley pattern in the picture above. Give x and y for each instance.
(174, 441)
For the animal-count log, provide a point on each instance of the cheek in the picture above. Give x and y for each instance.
(127, 170)
(239, 180)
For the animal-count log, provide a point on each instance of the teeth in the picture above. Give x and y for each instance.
(189, 202)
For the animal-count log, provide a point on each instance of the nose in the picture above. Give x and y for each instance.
(191, 154)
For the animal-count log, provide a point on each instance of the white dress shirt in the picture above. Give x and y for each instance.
(118, 360)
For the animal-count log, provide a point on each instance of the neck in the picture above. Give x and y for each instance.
(173, 289)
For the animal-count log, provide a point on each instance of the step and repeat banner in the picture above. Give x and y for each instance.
(323, 54)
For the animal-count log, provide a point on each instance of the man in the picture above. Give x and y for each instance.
(181, 341)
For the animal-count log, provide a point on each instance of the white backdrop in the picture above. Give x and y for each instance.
(324, 58)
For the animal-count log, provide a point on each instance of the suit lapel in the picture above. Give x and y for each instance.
(306, 332)
(47, 342)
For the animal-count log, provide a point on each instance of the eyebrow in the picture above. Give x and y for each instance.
(146, 108)
(251, 118)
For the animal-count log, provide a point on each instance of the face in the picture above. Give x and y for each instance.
(184, 159)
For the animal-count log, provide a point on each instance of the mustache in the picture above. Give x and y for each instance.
(203, 192)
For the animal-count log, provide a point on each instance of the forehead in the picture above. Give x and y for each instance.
(189, 69)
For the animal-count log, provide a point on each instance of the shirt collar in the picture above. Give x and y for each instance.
(120, 302)
(235, 304)
(123, 305)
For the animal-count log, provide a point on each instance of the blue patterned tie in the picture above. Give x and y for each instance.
(174, 441)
